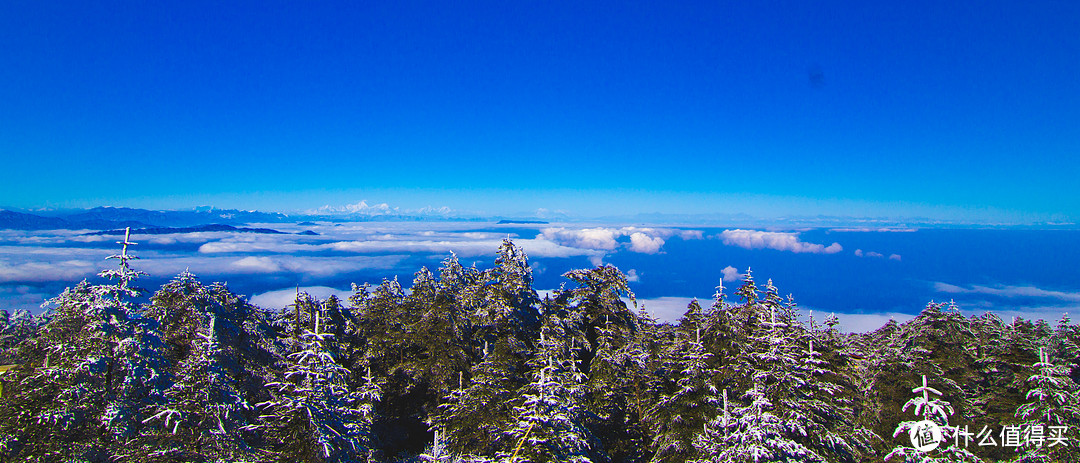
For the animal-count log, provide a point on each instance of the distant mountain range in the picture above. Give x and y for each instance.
(112, 218)
(105, 218)
(149, 221)
(217, 227)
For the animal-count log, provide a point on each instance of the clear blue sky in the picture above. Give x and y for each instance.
(614, 107)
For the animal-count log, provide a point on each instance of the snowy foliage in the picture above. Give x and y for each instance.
(927, 405)
(312, 406)
(548, 422)
(470, 365)
(678, 416)
(752, 433)
(1054, 401)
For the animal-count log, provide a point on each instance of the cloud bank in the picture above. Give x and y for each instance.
(280, 298)
(640, 240)
(780, 241)
(1008, 291)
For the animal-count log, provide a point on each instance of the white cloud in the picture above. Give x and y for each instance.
(860, 253)
(780, 241)
(640, 242)
(280, 298)
(219, 267)
(690, 234)
(641, 239)
(596, 260)
(534, 248)
(537, 268)
(666, 309)
(732, 274)
(867, 322)
(257, 243)
(1008, 291)
(42, 271)
(895, 257)
(632, 276)
(255, 264)
(587, 238)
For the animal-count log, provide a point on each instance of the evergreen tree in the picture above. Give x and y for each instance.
(1064, 346)
(601, 329)
(780, 388)
(312, 412)
(679, 415)
(748, 290)
(751, 433)
(96, 372)
(548, 423)
(221, 350)
(473, 419)
(931, 409)
(1054, 410)
(14, 329)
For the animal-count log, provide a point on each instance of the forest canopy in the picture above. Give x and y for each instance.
(470, 364)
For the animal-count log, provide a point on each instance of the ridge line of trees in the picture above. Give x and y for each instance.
(472, 365)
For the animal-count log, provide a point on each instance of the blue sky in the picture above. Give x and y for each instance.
(920, 108)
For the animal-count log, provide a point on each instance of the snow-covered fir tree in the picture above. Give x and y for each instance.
(601, 328)
(819, 411)
(928, 406)
(1053, 409)
(14, 329)
(750, 433)
(312, 412)
(96, 372)
(772, 425)
(548, 422)
(748, 290)
(1065, 346)
(678, 416)
(207, 405)
(473, 418)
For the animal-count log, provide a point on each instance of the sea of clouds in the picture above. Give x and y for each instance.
(268, 268)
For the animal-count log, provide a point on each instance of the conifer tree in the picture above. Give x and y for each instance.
(819, 411)
(222, 349)
(14, 329)
(679, 415)
(96, 371)
(751, 433)
(312, 412)
(1054, 408)
(1064, 345)
(549, 422)
(779, 386)
(927, 406)
(206, 402)
(475, 416)
(748, 290)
